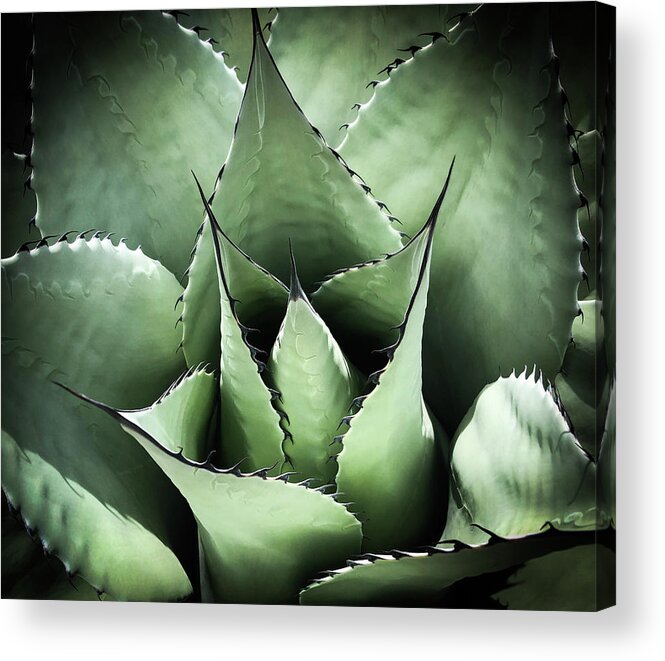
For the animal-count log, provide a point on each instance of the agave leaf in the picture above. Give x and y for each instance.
(120, 98)
(99, 317)
(99, 312)
(506, 267)
(282, 181)
(607, 463)
(28, 573)
(181, 416)
(316, 383)
(229, 31)
(260, 297)
(247, 523)
(93, 500)
(331, 56)
(18, 204)
(580, 383)
(516, 466)
(250, 431)
(389, 465)
(561, 568)
(368, 301)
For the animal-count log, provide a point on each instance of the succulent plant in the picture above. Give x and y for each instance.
(416, 418)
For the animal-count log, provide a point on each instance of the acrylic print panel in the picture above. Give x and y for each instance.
(310, 305)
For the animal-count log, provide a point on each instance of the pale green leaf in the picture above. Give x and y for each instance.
(181, 417)
(282, 181)
(260, 297)
(331, 56)
(262, 538)
(367, 302)
(389, 466)
(506, 263)
(98, 317)
(516, 466)
(100, 312)
(95, 502)
(317, 386)
(125, 104)
(250, 432)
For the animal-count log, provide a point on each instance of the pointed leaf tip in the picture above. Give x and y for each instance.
(295, 288)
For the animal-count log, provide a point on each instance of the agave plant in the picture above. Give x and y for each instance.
(416, 418)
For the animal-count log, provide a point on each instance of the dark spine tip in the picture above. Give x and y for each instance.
(256, 25)
(295, 288)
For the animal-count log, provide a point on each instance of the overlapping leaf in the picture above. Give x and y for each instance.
(332, 57)
(99, 317)
(281, 181)
(124, 106)
(390, 464)
(506, 268)
(250, 432)
(316, 386)
(544, 572)
(247, 523)
(516, 466)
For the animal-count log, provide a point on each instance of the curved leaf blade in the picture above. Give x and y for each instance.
(516, 466)
(507, 265)
(282, 181)
(502, 574)
(130, 102)
(317, 386)
(95, 501)
(250, 431)
(260, 297)
(389, 466)
(332, 56)
(247, 524)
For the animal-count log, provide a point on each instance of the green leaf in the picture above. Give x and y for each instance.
(181, 416)
(229, 32)
(547, 572)
(317, 386)
(18, 204)
(260, 297)
(101, 313)
(248, 523)
(282, 181)
(250, 432)
(581, 382)
(389, 466)
(98, 317)
(95, 502)
(506, 263)
(28, 573)
(125, 104)
(331, 56)
(607, 463)
(516, 466)
(368, 302)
